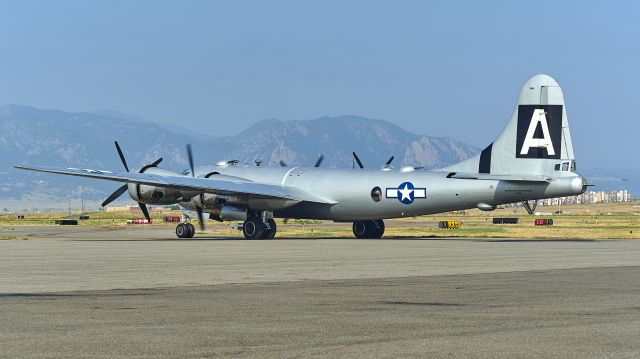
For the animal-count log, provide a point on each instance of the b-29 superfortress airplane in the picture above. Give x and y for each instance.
(531, 159)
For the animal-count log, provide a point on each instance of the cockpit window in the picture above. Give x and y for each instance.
(573, 166)
(565, 166)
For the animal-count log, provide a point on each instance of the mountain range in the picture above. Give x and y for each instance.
(57, 138)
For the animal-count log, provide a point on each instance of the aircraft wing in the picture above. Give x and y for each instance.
(234, 187)
(486, 176)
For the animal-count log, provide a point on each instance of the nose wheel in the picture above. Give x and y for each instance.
(185, 230)
(368, 229)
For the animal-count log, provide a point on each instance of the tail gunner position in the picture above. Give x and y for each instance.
(531, 159)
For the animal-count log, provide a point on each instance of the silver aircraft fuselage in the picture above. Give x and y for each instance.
(351, 191)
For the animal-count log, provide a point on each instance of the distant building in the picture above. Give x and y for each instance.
(136, 209)
(590, 197)
(117, 208)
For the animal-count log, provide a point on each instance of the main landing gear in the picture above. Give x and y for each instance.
(368, 229)
(256, 228)
(185, 230)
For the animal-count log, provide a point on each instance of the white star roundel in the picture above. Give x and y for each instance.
(406, 193)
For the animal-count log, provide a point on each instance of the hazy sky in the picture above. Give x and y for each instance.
(439, 68)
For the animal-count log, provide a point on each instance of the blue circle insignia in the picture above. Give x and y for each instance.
(406, 193)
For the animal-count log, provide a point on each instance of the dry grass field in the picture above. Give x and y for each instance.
(598, 221)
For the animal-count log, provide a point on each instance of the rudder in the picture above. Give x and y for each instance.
(535, 139)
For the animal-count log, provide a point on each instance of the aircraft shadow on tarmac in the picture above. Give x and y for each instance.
(220, 238)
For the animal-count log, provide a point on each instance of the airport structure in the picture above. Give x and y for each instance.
(590, 197)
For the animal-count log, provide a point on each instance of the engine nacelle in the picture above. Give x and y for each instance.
(158, 195)
(213, 201)
(229, 213)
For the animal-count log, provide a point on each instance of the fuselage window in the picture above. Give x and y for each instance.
(557, 167)
(376, 194)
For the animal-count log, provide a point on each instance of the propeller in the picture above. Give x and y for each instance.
(123, 189)
(155, 163)
(387, 165)
(355, 157)
(317, 164)
(193, 174)
(115, 195)
(145, 211)
(124, 162)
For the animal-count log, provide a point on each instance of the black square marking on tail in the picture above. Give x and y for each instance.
(485, 160)
(553, 116)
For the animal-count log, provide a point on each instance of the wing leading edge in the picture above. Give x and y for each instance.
(206, 185)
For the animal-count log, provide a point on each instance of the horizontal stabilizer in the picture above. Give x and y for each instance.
(490, 177)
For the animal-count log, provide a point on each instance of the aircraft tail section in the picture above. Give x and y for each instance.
(535, 141)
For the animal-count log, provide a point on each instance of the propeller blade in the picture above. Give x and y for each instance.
(190, 155)
(145, 211)
(115, 195)
(319, 161)
(389, 161)
(357, 160)
(193, 174)
(156, 162)
(200, 217)
(124, 162)
(283, 163)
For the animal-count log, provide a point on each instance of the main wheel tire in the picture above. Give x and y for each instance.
(360, 229)
(270, 233)
(192, 230)
(253, 228)
(377, 229)
(181, 230)
(368, 229)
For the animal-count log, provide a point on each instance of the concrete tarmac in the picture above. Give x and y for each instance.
(138, 292)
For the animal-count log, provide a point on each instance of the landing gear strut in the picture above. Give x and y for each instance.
(257, 228)
(368, 229)
(185, 230)
(530, 207)
(270, 232)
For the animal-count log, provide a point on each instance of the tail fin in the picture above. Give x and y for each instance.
(536, 141)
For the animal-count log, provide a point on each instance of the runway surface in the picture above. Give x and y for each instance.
(138, 292)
